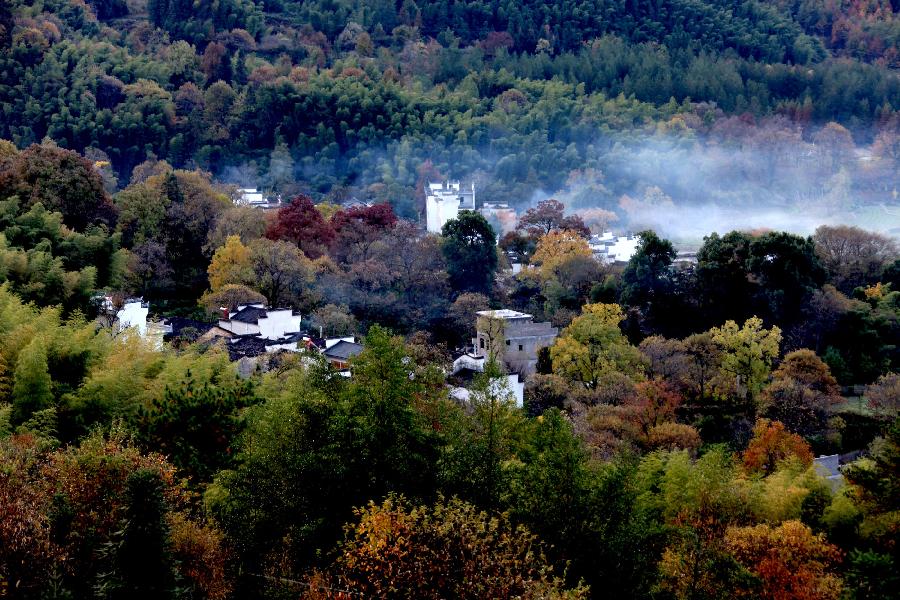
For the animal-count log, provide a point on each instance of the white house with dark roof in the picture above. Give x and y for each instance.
(443, 202)
(256, 319)
(611, 249)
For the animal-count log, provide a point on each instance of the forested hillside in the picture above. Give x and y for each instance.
(335, 97)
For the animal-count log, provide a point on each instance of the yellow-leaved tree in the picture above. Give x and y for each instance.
(557, 247)
(593, 346)
(231, 264)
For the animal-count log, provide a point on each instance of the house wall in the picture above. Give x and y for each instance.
(276, 323)
(502, 386)
(338, 364)
(239, 327)
(439, 210)
(517, 388)
(524, 361)
(493, 332)
(514, 341)
(133, 314)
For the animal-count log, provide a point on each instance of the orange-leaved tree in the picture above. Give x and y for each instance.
(790, 561)
(772, 444)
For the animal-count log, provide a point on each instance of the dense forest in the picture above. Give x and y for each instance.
(346, 99)
(666, 444)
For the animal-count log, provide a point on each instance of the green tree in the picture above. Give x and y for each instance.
(725, 292)
(471, 254)
(195, 423)
(786, 269)
(478, 444)
(141, 557)
(322, 447)
(647, 278)
(550, 489)
(748, 352)
(32, 387)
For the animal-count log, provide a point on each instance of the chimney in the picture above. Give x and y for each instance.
(224, 312)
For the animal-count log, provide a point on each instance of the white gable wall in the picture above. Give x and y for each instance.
(133, 314)
(239, 327)
(439, 210)
(332, 341)
(276, 323)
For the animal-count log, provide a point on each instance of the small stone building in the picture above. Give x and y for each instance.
(513, 338)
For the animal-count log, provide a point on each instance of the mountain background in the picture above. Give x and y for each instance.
(687, 115)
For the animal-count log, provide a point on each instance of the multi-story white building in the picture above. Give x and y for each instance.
(443, 202)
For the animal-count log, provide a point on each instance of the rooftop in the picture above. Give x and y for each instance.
(249, 314)
(503, 313)
(246, 345)
(344, 350)
(179, 324)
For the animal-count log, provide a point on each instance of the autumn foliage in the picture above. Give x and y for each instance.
(791, 562)
(300, 222)
(772, 444)
(449, 550)
(61, 509)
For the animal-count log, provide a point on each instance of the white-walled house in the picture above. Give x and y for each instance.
(443, 201)
(509, 383)
(256, 319)
(133, 314)
(121, 314)
(129, 315)
(250, 196)
(610, 248)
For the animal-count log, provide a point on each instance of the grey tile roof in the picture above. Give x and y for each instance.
(343, 350)
(250, 314)
(246, 345)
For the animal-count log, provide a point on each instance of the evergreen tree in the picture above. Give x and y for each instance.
(470, 249)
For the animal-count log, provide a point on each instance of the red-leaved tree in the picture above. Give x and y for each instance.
(301, 222)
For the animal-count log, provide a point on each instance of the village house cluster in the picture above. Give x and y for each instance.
(255, 334)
